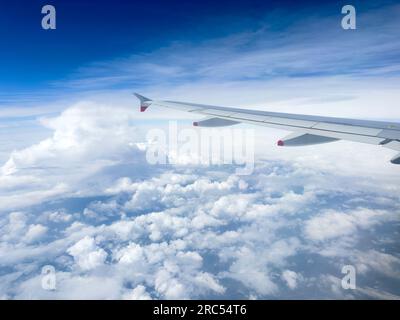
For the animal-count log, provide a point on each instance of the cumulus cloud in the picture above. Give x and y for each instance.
(35, 232)
(87, 254)
(87, 137)
(332, 224)
(138, 293)
(77, 134)
(117, 229)
(291, 278)
(207, 231)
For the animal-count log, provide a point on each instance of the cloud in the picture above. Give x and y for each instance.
(380, 262)
(138, 293)
(35, 232)
(298, 50)
(87, 138)
(291, 278)
(179, 232)
(334, 285)
(169, 254)
(71, 286)
(333, 224)
(87, 254)
(77, 134)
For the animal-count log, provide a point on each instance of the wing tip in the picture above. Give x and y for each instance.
(144, 102)
(141, 98)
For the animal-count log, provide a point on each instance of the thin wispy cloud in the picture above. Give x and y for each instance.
(313, 46)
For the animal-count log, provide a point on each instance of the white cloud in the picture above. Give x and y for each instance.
(332, 224)
(169, 287)
(334, 285)
(35, 232)
(70, 286)
(138, 293)
(87, 137)
(56, 216)
(291, 278)
(131, 254)
(157, 233)
(165, 254)
(380, 262)
(87, 254)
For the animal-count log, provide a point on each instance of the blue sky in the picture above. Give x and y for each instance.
(32, 59)
(107, 30)
(77, 192)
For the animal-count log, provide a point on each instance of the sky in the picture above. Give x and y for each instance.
(78, 193)
(107, 30)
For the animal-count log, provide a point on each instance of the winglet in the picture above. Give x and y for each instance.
(144, 102)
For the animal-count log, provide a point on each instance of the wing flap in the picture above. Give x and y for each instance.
(290, 122)
(216, 112)
(347, 129)
(389, 134)
(247, 116)
(394, 145)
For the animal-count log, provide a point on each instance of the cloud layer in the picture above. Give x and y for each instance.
(86, 202)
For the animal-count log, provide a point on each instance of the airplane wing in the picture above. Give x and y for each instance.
(306, 129)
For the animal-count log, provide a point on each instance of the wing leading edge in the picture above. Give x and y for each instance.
(307, 130)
